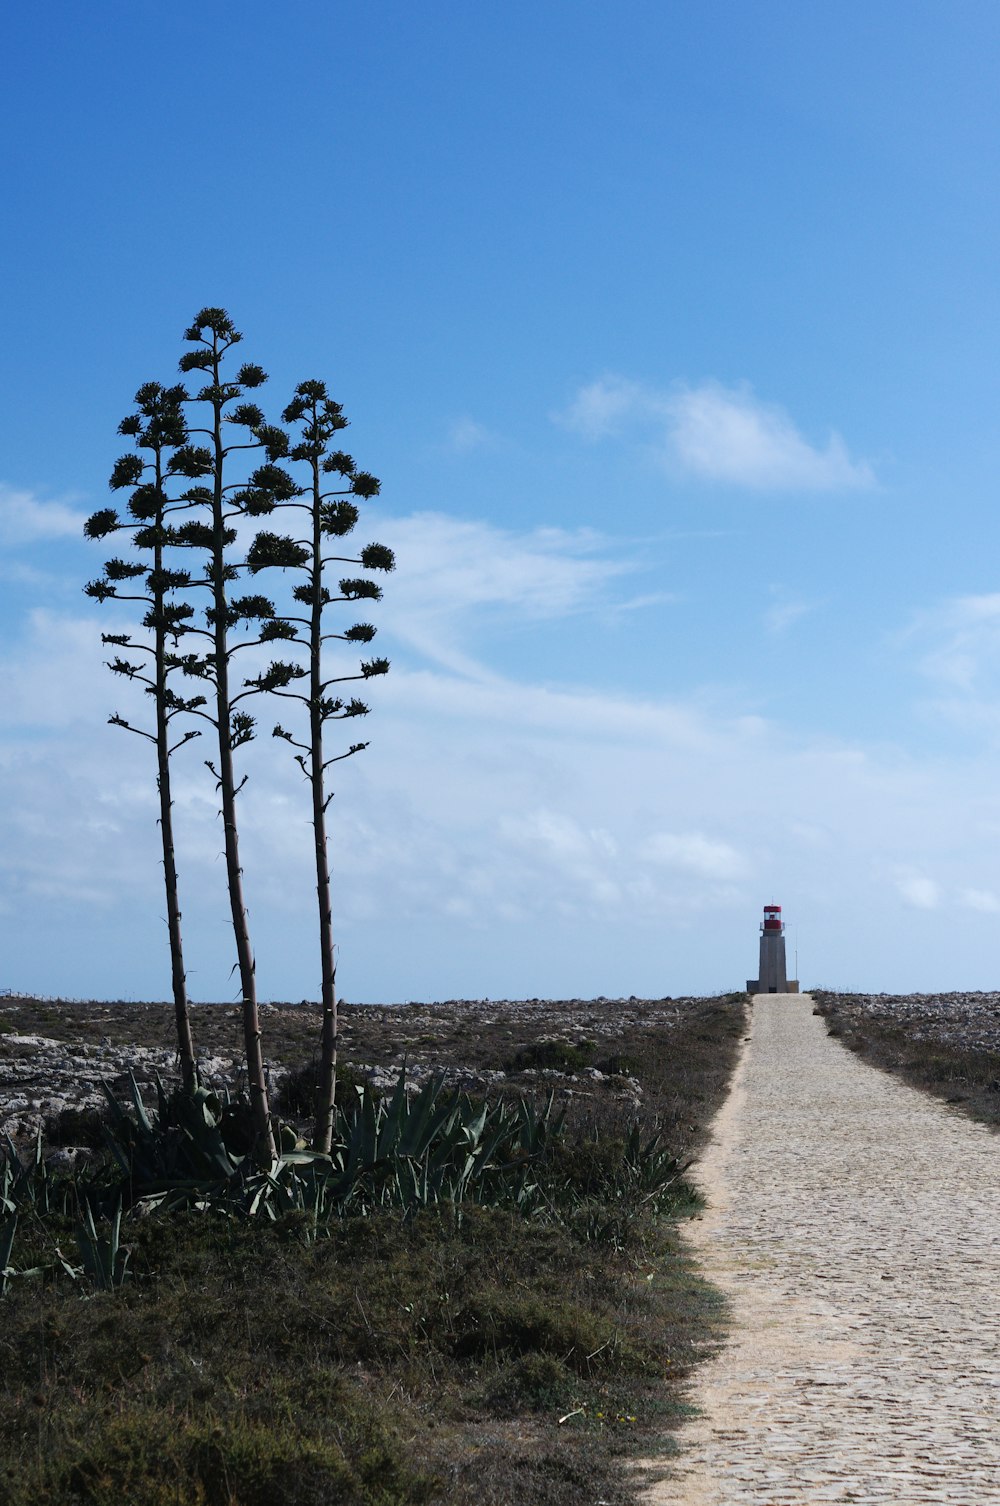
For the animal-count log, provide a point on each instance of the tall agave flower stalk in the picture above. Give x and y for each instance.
(159, 429)
(225, 500)
(332, 514)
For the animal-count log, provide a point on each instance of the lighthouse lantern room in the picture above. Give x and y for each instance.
(773, 975)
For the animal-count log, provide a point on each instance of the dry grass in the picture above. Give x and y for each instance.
(394, 1361)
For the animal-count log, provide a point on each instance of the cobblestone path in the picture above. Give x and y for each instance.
(855, 1225)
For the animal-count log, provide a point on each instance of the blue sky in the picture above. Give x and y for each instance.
(672, 332)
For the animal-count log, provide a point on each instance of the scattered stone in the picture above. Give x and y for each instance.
(42, 1075)
(965, 1020)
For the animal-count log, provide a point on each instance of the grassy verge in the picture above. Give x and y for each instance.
(459, 1356)
(934, 1042)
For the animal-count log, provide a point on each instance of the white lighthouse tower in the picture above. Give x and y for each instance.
(773, 975)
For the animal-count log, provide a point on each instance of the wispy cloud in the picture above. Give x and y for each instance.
(500, 827)
(455, 573)
(27, 519)
(959, 641)
(53, 675)
(693, 852)
(783, 612)
(727, 434)
(642, 602)
(718, 433)
(466, 435)
(582, 859)
(983, 900)
(918, 891)
(954, 646)
(602, 408)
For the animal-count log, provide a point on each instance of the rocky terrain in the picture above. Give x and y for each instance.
(966, 1020)
(55, 1055)
(948, 1044)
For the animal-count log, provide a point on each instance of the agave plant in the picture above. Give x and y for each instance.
(407, 1151)
(105, 1259)
(182, 1145)
(649, 1171)
(25, 1184)
(8, 1228)
(436, 1146)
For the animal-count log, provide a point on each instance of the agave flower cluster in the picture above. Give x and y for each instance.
(206, 464)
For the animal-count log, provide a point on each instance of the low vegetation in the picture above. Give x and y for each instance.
(934, 1042)
(513, 1331)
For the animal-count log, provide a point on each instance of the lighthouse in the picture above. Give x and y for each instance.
(773, 975)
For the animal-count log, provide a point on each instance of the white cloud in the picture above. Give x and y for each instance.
(640, 603)
(692, 852)
(983, 900)
(955, 647)
(727, 434)
(959, 641)
(495, 702)
(558, 835)
(581, 860)
(451, 573)
(920, 892)
(780, 616)
(26, 519)
(500, 833)
(466, 435)
(602, 407)
(53, 676)
(718, 433)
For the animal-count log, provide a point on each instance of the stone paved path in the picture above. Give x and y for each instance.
(855, 1225)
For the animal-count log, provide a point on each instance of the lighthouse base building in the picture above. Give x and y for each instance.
(773, 976)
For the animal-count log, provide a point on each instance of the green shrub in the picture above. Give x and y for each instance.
(558, 1056)
(150, 1459)
(502, 1322)
(532, 1382)
(619, 1066)
(295, 1097)
(73, 1126)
